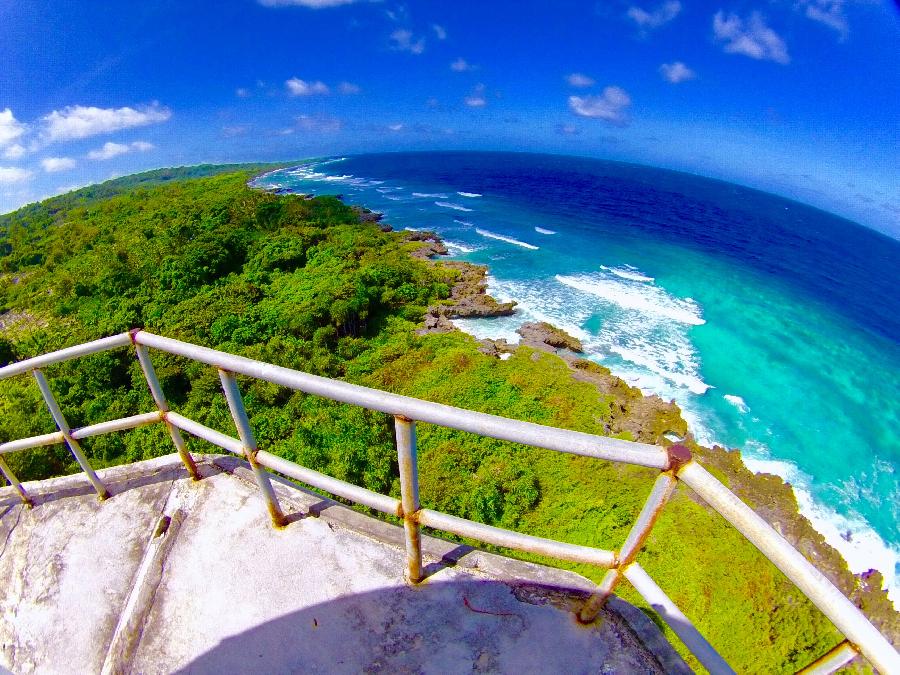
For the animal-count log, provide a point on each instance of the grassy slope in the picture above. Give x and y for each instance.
(303, 284)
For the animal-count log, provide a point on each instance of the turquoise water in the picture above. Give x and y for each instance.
(775, 326)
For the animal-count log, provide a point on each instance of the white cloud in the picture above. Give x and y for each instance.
(298, 87)
(322, 125)
(580, 80)
(403, 40)
(55, 164)
(751, 37)
(612, 106)
(348, 88)
(656, 18)
(476, 99)
(827, 12)
(461, 66)
(10, 127)
(311, 4)
(242, 92)
(395, 127)
(676, 72)
(15, 151)
(439, 31)
(110, 149)
(13, 174)
(232, 130)
(79, 121)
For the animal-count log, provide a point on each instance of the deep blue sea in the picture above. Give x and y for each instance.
(775, 326)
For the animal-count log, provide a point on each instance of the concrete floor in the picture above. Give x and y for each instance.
(172, 575)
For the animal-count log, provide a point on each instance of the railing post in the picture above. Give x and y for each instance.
(409, 495)
(163, 405)
(11, 477)
(659, 495)
(63, 426)
(242, 422)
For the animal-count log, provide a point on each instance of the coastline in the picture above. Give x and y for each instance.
(769, 494)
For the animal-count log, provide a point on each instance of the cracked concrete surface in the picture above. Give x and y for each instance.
(174, 575)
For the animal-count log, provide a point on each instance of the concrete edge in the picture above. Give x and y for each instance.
(563, 587)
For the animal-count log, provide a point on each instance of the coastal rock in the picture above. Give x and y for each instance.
(495, 347)
(542, 334)
(469, 298)
(367, 215)
(435, 322)
(431, 244)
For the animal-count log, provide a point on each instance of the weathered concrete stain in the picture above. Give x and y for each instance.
(230, 593)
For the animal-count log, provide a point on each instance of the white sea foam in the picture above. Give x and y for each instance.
(686, 380)
(508, 240)
(863, 550)
(628, 272)
(463, 222)
(645, 299)
(429, 195)
(542, 230)
(456, 247)
(737, 402)
(451, 205)
(470, 195)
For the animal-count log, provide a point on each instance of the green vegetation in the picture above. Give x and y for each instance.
(302, 283)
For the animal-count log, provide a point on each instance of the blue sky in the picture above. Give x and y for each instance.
(797, 97)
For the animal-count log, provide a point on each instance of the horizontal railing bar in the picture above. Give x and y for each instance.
(121, 424)
(491, 426)
(202, 431)
(102, 345)
(32, 442)
(831, 662)
(676, 620)
(334, 486)
(816, 586)
(515, 540)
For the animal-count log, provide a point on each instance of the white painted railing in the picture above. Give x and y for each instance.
(674, 463)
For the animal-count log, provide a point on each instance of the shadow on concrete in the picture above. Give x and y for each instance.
(441, 627)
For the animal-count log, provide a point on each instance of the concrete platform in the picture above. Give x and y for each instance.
(174, 575)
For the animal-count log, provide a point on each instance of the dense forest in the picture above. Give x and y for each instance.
(197, 255)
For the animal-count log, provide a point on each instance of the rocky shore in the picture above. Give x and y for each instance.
(650, 419)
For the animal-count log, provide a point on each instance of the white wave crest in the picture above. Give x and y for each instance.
(542, 230)
(456, 247)
(451, 205)
(429, 195)
(737, 402)
(646, 299)
(860, 546)
(470, 195)
(628, 272)
(508, 240)
(463, 222)
(686, 380)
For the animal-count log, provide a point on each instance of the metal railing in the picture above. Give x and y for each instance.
(674, 463)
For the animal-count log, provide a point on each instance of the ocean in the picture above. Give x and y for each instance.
(774, 325)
